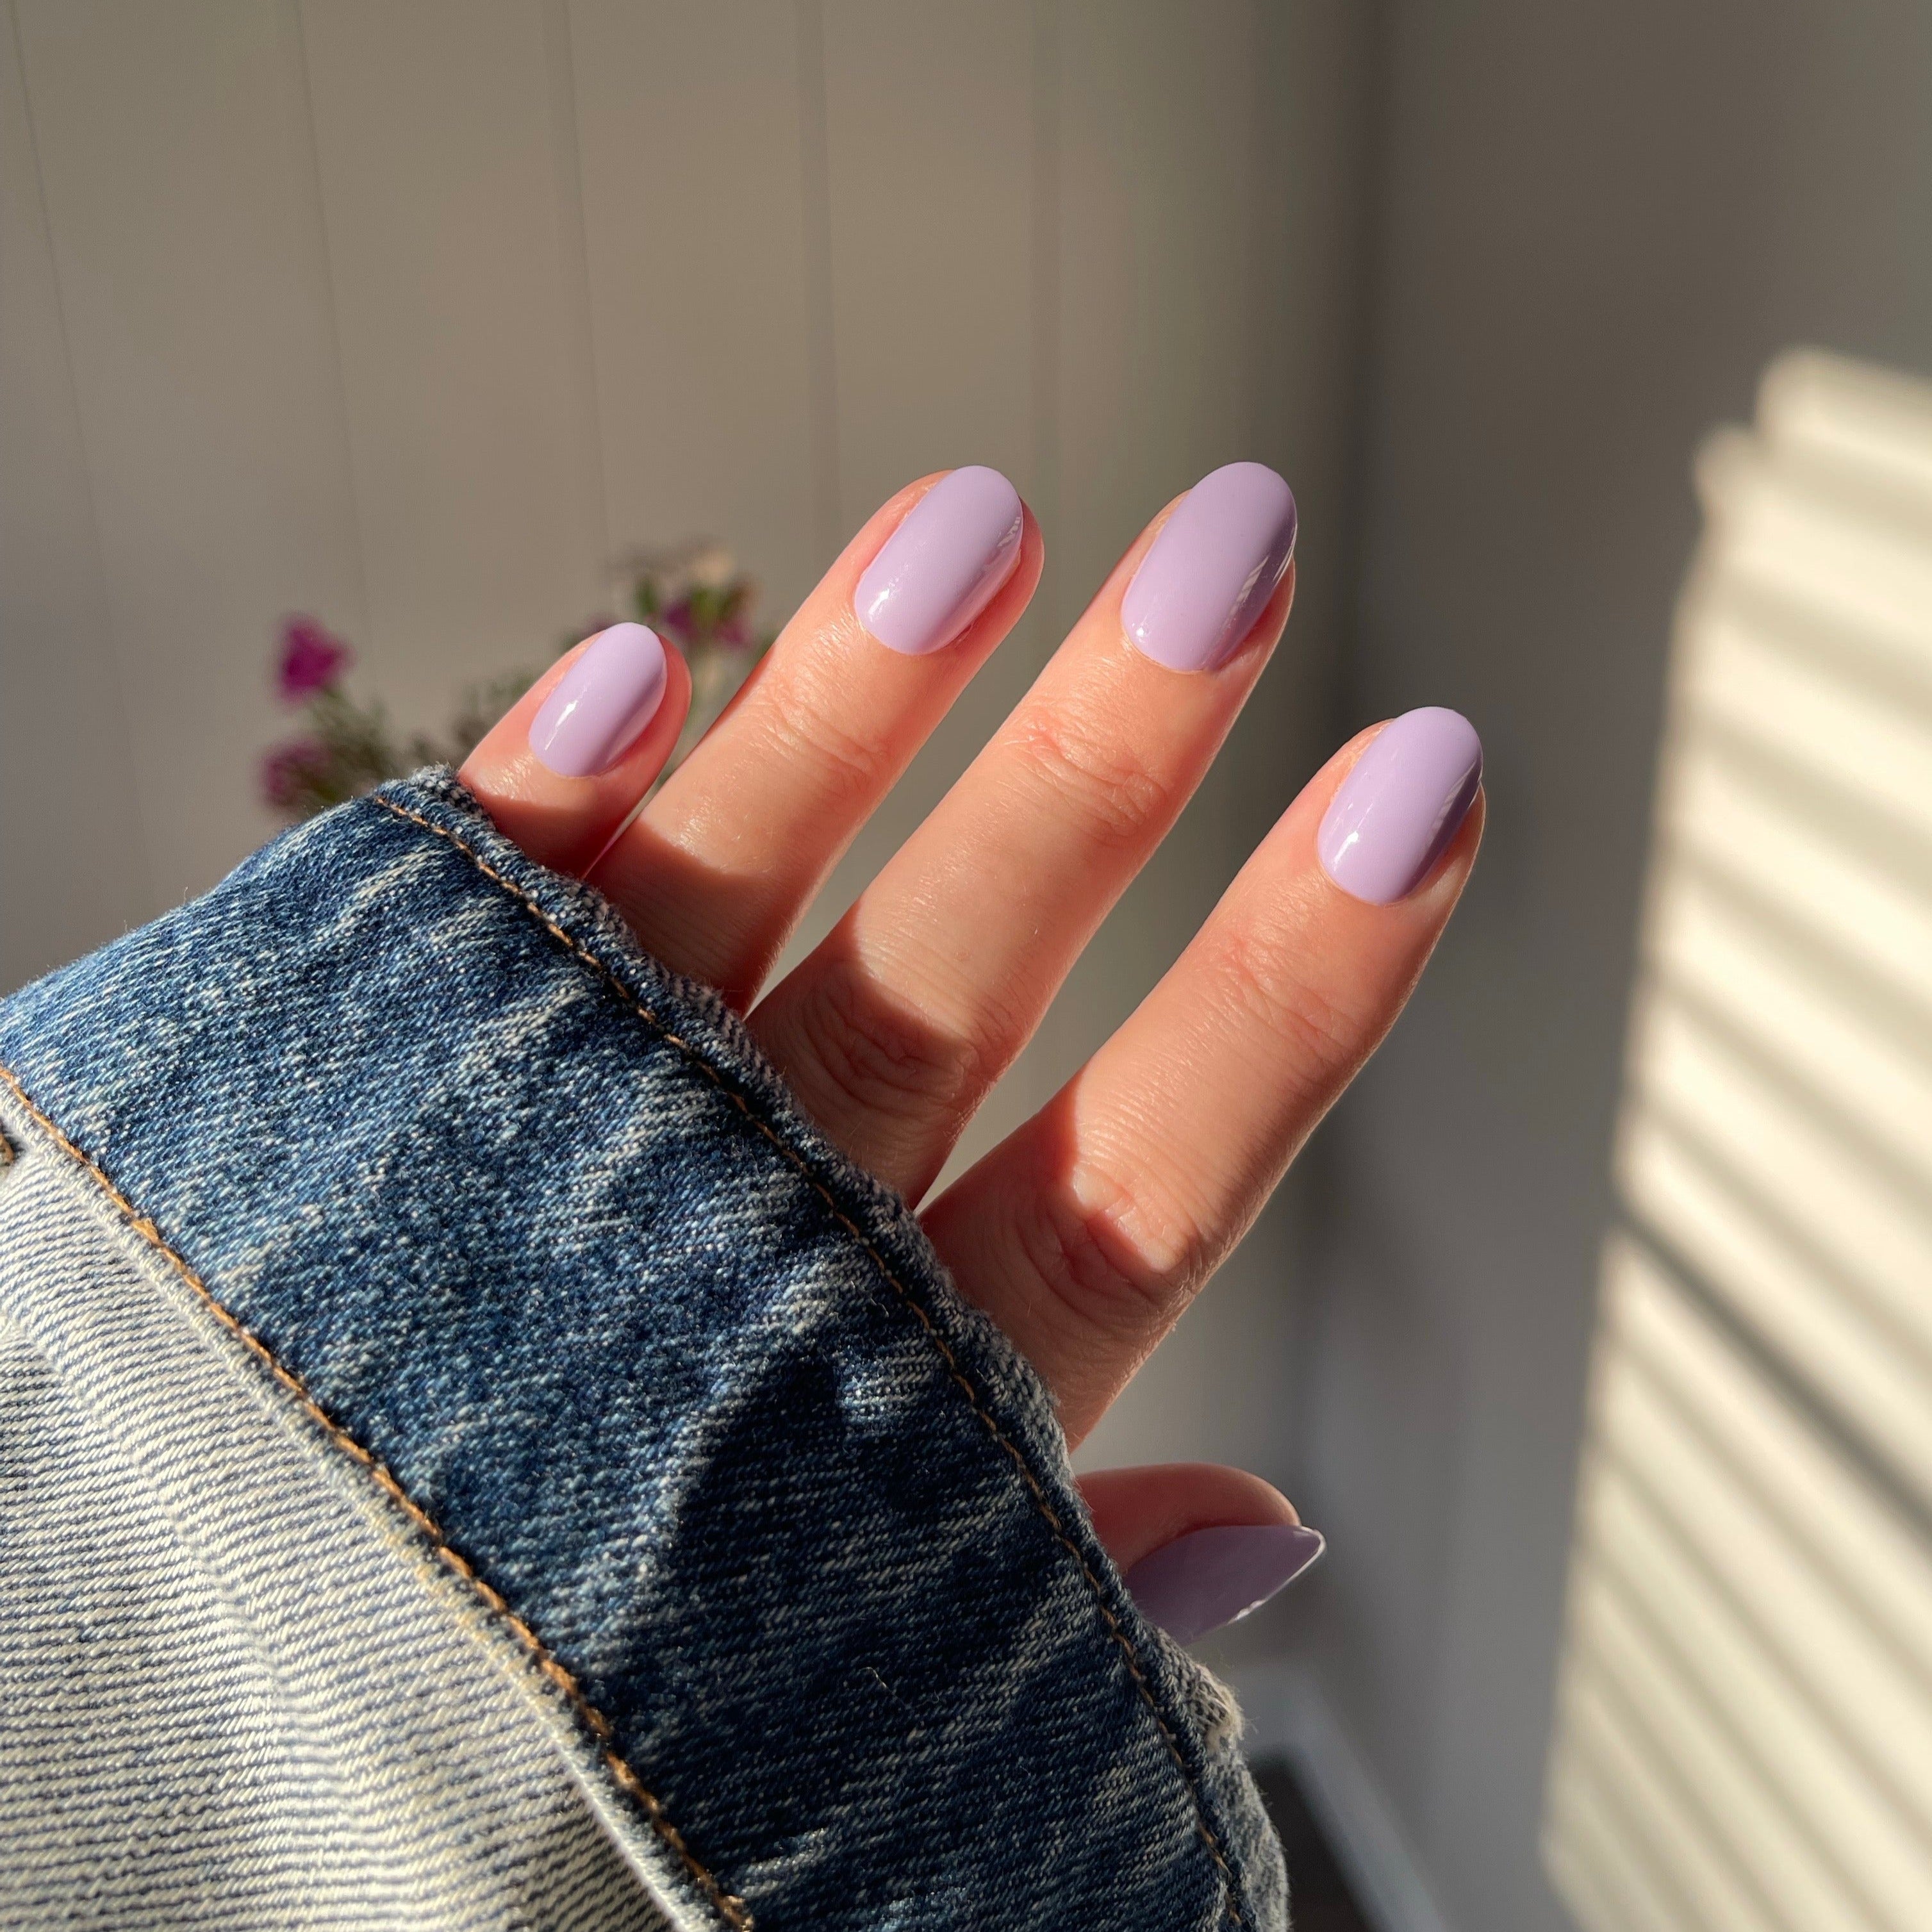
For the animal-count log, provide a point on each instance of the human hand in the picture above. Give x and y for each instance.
(1088, 1230)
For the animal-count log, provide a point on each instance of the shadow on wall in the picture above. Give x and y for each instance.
(1744, 1728)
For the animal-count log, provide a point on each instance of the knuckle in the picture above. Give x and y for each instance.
(807, 734)
(1087, 766)
(880, 1057)
(1265, 986)
(1119, 1261)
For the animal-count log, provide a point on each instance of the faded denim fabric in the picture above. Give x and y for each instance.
(544, 1255)
(237, 1690)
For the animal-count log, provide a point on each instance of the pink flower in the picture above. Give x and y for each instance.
(290, 770)
(311, 660)
(676, 619)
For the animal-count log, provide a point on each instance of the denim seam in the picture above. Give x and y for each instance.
(575, 946)
(729, 1906)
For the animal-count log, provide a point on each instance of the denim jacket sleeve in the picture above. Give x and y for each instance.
(432, 1339)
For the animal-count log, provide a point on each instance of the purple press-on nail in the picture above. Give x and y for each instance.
(602, 702)
(944, 563)
(1210, 1577)
(1214, 565)
(1397, 811)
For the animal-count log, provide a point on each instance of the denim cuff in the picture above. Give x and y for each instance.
(684, 1400)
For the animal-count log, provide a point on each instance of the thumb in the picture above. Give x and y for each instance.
(1201, 1544)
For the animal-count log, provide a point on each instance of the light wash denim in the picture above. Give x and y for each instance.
(473, 1454)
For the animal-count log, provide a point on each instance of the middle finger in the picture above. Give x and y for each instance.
(892, 1032)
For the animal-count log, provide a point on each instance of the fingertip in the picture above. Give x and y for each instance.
(1135, 1510)
(617, 713)
(944, 562)
(1209, 1578)
(1205, 582)
(1398, 810)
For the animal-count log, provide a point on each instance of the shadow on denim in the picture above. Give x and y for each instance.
(533, 1223)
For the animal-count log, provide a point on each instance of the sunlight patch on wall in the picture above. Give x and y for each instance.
(1744, 1738)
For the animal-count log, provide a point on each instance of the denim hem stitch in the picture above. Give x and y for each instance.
(905, 1297)
(728, 1906)
(638, 1341)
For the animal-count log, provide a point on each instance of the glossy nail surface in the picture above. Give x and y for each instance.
(1215, 564)
(1210, 1577)
(944, 563)
(1402, 804)
(603, 701)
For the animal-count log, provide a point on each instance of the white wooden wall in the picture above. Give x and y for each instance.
(412, 313)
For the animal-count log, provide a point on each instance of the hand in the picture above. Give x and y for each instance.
(1086, 1232)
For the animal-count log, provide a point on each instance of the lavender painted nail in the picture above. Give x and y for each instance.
(604, 700)
(1400, 806)
(1215, 564)
(1210, 1577)
(944, 563)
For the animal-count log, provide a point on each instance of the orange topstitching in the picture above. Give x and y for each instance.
(957, 1374)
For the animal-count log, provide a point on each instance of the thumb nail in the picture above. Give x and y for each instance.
(1210, 1577)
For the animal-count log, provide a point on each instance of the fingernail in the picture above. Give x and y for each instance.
(1210, 1577)
(1400, 806)
(604, 700)
(944, 564)
(1215, 564)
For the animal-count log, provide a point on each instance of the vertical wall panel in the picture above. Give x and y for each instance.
(73, 865)
(929, 117)
(1192, 140)
(1158, 227)
(929, 143)
(687, 115)
(173, 143)
(454, 301)
(1156, 381)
